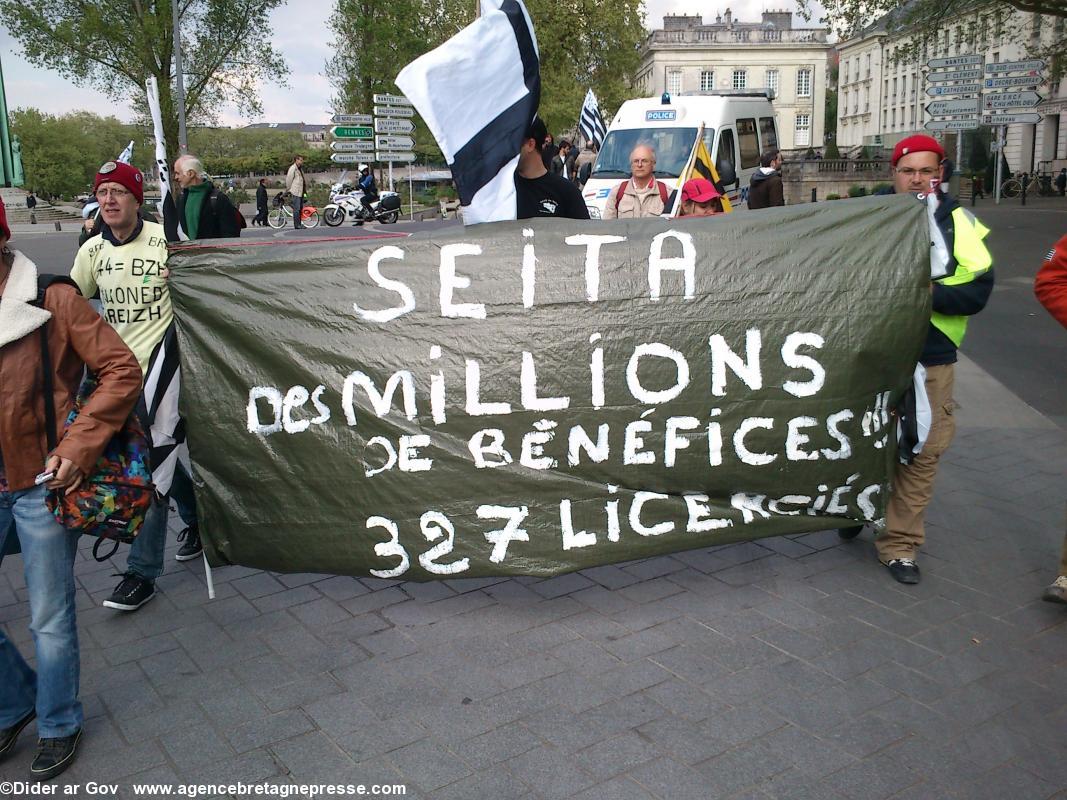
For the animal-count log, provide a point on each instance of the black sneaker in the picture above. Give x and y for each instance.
(54, 756)
(191, 547)
(8, 736)
(904, 570)
(132, 592)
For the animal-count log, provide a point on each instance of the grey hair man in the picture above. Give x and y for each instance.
(203, 211)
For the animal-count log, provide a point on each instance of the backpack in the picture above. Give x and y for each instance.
(214, 197)
(622, 188)
(112, 502)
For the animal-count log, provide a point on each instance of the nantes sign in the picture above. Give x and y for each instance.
(542, 396)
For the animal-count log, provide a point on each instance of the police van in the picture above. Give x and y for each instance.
(738, 127)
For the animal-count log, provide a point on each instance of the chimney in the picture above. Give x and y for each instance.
(728, 17)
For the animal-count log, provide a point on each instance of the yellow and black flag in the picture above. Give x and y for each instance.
(700, 165)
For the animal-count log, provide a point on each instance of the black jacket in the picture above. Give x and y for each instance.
(261, 198)
(218, 217)
(765, 191)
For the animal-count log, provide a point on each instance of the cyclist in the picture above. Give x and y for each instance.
(369, 187)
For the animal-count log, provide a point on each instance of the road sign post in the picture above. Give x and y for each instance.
(351, 119)
(357, 146)
(352, 132)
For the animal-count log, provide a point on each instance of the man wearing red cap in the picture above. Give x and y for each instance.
(126, 265)
(959, 293)
(1050, 286)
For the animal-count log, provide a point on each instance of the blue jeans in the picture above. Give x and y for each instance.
(146, 553)
(298, 208)
(48, 551)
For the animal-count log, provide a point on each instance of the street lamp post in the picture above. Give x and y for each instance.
(183, 142)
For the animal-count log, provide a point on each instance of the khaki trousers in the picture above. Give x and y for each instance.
(913, 484)
(1063, 557)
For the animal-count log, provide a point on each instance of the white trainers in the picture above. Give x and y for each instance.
(1056, 592)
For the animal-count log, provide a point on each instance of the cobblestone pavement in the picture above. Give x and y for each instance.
(788, 668)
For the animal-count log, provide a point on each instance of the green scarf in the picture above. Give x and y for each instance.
(194, 201)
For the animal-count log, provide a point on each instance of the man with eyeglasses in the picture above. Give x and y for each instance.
(642, 195)
(126, 265)
(959, 293)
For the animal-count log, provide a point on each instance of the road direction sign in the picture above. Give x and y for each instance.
(351, 119)
(348, 158)
(957, 89)
(954, 61)
(391, 100)
(360, 146)
(1012, 100)
(954, 75)
(394, 142)
(394, 111)
(1014, 66)
(383, 155)
(1010, 83)
(941, 108)
(393, 125)
(352, 132)
(1010, 119)
(952, 124)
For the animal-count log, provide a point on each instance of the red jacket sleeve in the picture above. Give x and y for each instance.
(1050, 285)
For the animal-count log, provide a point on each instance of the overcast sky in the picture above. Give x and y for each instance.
(301, 35)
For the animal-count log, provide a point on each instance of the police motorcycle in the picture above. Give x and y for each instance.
(345, 203)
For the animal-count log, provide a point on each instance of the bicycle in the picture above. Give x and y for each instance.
(1035, 184)
(282, 212)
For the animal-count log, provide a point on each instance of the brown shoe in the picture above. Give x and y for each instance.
(1056, 592)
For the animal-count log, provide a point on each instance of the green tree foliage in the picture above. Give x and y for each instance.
(582, 44)
(116, 45)
(61, 154)
(245, 151)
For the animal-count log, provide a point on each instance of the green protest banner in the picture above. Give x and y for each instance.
(539, 397)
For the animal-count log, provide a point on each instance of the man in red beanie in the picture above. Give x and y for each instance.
(126, 266)
(1050, 286)
(959, 293)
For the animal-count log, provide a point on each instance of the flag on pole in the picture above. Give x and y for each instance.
(126, 156)
(699, 165)
(168, 211)
(591, 121)
(158, 409)
(478, 93)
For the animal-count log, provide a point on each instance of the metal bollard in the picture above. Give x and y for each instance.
(1025, 177)
(814, 193)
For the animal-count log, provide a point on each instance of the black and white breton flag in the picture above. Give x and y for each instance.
(478, 93)
(158, 409)
(591, 122)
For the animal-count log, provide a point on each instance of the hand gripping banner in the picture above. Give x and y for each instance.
(539, 397)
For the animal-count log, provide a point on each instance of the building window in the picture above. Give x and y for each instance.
(868, 65)
(844, 73)
(707, 80)
(674, 81)
(804, 83)
(772, 80)
(893, 118)
(803, 130)
(740, 79)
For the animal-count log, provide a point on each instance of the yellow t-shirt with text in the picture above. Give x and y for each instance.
(133, 291)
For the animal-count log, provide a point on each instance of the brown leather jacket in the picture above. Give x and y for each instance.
(77, 337)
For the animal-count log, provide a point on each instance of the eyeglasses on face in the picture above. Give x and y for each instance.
(118, 194)
(926, 172)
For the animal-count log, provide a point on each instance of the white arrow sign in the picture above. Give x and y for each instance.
(954, 61)
(1015, 66)
(358, 146)
(388, 156)
(957, 75)
(393, 126)
(391, 100)
(1010, 119)
(348, 158)
(351, 119)
(1012, 100)
(394, 111)
(944, 107)
(394, 142)
(957, 89)
(951, 124)
(1008, 83)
